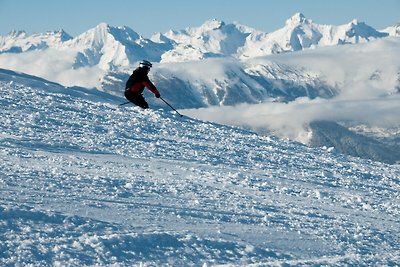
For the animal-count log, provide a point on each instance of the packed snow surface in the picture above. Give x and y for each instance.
(85, 181)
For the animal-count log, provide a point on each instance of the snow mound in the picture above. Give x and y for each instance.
(50, 238)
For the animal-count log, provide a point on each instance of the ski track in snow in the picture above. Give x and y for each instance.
(85, 182)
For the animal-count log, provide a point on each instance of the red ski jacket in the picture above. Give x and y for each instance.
(139, 80)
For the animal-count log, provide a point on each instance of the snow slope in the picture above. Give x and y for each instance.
(86, 182)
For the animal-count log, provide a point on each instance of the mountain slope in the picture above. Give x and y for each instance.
(85, 182)
(212, 39)
(331, 134)
(112, 47)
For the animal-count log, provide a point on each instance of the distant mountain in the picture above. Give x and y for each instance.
(300, 33)
(213, 64)
(393, 30)
(331, 134)
(214, 38)
(19, 41)
(113, 47)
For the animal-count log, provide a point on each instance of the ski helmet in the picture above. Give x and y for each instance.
(145, 64)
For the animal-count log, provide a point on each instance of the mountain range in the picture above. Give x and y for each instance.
(214, 38)
(102, 57)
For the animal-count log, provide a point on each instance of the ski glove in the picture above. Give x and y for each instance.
(157, 95)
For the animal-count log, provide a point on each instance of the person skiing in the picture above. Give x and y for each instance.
(136, 84)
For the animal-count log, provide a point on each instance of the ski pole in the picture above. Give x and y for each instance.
(125, 103)
(170, 106)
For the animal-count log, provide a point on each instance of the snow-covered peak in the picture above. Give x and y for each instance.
(16, 34)
(109, 47)
(297, 34)
(211, 25)
(296, 19)
(354, 22)
(393, 30)
(300, 33)
(207, 27)
(20, 41)
(213, 38)
(158, 37)
(102, 26)
(60, 34)
(105, 34)
(360, 30)
(95, 36)
(101, 30)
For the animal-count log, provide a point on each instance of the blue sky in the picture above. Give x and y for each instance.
(147, 17)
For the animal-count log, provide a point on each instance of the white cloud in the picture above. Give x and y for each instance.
(291, 120)
(53, 65)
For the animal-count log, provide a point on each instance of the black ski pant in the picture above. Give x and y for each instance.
(137, 99)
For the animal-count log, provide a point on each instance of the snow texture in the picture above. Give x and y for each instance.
(86, 182)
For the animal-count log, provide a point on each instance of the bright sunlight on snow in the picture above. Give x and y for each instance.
(86, 182)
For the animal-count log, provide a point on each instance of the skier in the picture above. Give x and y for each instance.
(136, 84)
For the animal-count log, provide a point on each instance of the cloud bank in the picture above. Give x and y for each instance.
(367, 76)
(291, 120)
